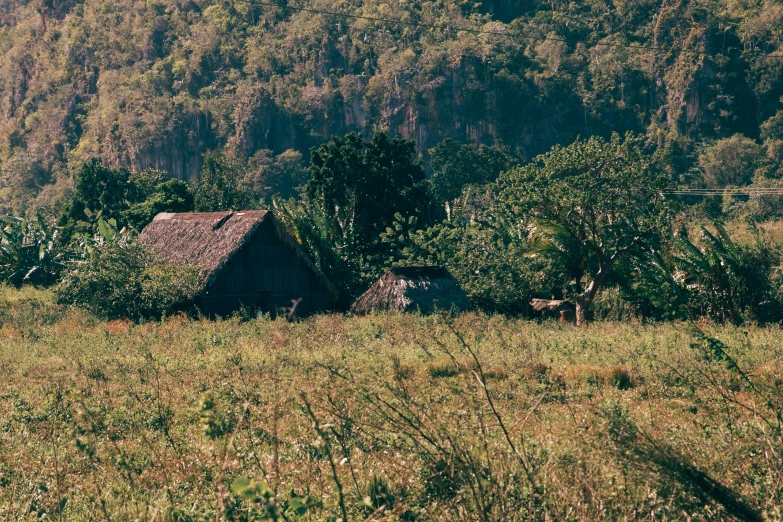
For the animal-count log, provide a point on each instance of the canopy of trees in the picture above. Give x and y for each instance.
(129, 200)
(155, 84)
(590, 204)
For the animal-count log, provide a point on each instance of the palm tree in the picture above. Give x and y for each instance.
(723, 278)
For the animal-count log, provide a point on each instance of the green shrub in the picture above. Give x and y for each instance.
(125, 280)
(30, 308)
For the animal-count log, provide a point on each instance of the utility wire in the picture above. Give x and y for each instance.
(734, 191)
(476, 30)
(729, 192)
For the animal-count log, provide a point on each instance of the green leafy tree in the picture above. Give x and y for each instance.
(146, 182)
(599, 200)
(220, 185)
(362, 184)
(772, 133)
(281, 176)
(731, 161)
(100, 193)
(168, 196)
(454, 166)
(355, 189)
(119, 196)
(772, 129)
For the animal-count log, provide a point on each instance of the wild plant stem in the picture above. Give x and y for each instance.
(327, 446)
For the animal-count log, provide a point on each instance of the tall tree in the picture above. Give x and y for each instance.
(454, 166)
(602, 199)
(356, 188)
(101, 193)
(131, 200)
(363, 184)
(220, 185)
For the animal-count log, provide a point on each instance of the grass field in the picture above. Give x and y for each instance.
(384, 418)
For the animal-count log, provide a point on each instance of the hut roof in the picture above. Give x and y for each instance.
(409, 289)
(210, 239)
(550, 305)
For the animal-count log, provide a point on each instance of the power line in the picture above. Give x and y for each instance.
(726, 192)
(475, 30)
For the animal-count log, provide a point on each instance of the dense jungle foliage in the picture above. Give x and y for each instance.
(155, 84)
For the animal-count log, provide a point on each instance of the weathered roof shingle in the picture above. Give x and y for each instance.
(210, 239)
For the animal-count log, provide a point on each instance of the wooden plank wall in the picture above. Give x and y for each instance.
(265, 273)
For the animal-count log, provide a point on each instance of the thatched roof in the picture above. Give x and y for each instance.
(550, 305)
(210, 239)
(410, 289)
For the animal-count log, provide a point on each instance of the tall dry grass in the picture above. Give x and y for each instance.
(385, 417)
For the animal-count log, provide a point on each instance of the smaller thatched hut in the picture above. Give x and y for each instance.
(411, 289)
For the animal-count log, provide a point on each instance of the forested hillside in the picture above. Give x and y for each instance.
(156, 83)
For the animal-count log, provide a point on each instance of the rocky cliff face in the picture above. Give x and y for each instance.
(154, 84)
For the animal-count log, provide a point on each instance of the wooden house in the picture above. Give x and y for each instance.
(422, 289)
(247, 259)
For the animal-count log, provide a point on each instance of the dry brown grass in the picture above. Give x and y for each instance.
(158, 421)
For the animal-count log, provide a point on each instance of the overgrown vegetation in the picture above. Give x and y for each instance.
(156, 85)
(33, 252)
(449, 138)
(571, 223)
(124, 280)
(388, 417)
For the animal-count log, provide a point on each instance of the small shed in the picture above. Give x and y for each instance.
(247, 259)
(411, 289)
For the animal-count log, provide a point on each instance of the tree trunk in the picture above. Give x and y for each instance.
(581, 310)
(585, 299)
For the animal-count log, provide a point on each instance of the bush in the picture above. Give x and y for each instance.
(731, 161)
(124, 280)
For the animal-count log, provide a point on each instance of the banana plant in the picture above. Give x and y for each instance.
(725, 280)
(31, 252)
